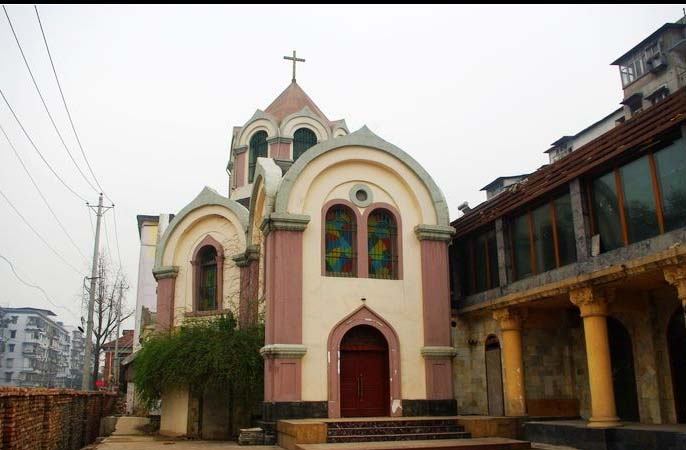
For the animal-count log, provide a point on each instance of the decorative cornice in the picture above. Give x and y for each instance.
(252, 253)
(434, 232)
(438, 352)
(279, 140)
(283, 351)
(285, 222)
(240, 149)
(284, 164)
(165, 272)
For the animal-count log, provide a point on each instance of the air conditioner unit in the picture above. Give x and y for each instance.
(657, 63)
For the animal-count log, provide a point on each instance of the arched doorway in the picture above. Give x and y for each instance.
(494, 377)
(676, 342)
(623, 375)
(364, 373)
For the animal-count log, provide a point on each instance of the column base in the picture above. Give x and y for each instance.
(603, 422)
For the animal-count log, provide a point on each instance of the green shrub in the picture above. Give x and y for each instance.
(202, 356)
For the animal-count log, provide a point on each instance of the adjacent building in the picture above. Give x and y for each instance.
(569, 286)
(37, 351)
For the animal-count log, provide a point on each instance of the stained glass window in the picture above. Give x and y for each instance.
(207, 298)
(258, 149)
(382, 236)
(303, 139)
(339, 242)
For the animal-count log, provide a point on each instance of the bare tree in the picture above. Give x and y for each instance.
(111, 286)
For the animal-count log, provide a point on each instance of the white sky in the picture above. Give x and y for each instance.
(471, 92)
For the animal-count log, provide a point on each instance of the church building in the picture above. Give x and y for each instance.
(341, 240)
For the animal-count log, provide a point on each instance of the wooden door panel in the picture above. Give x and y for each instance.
(364, 383)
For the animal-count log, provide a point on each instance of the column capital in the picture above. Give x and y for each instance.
(161, 273)
(592, 301)
(284, 221)
(509, 318)
(676, 276)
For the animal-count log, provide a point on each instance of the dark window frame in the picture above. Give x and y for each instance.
(303, 139)
(528, 212)
(649, 153)
(258, 148)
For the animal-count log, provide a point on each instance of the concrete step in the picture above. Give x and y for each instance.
(392, 423)
(439, 444)
(397, 437)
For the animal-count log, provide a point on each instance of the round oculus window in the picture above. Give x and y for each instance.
(361, 195)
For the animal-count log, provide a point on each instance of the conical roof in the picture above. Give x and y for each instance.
(293, 99)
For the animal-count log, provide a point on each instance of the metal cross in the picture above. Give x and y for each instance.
(294, 59)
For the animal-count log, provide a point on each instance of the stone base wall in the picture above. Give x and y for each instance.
(414, 408)
(48, 419)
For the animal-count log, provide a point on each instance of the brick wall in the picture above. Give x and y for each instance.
(51, 419)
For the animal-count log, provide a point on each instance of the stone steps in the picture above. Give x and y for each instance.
(437, 444)
(397, 437)
(394, 430)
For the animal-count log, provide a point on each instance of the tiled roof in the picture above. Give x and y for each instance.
(292, 100)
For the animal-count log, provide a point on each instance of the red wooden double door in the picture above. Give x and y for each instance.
(364, 373)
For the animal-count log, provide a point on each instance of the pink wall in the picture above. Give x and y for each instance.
(280, 150)
(436, 311)
(165, 303)
(283, 273)
(239, 168)
(248, 293)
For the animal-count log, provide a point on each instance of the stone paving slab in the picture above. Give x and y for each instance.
(160, 443)
(445, 444)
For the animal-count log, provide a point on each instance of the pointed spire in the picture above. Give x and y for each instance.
(292, 100)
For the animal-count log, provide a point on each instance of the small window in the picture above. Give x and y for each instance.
(258, 149)
(13, 334)
(207, 286)
(10, 363)
(11, 346)
(339, 242)
(14, 319)
(382, 245)
(8, 377)
(303, 139)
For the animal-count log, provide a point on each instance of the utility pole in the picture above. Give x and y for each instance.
(86, 384)
(116, 338)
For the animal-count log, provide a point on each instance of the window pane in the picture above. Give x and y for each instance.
(639, 201)
(258, 149)
(521, 246)
(565, 229)
(544, 243)
(671, 174)
(493, 259)
(303, 139)
(606, 212)
(480, 262)
(339, 242)
(381, 244)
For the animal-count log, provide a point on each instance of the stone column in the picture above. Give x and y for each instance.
(510, 322)
(437, 350)
(503, 257)
(166, 280)
(594, 310)
(283, 348)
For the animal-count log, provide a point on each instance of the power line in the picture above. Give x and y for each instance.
(36, 148)
(38, 234)
(35, 84)
(47, 297)
(64, 101)
(41, 194)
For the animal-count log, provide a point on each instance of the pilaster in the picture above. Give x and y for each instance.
(581, 221)
(166, 280)
(510, 322)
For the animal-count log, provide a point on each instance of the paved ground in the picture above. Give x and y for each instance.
(158, 443)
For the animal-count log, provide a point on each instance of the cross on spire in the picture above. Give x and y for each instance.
(295, 60)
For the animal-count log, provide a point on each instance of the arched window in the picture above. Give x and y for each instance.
(303, 139)
(382, 245)
(207, 279)
(339, 242)
(258, 149)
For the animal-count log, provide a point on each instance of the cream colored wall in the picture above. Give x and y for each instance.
(327, 300)
(222, 225)
(174, 418)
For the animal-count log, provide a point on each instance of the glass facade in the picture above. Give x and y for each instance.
(477, 262)
(543, 238)
(641, 199)
(670, 165)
